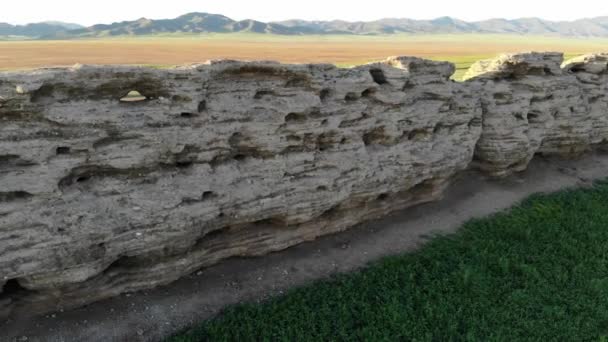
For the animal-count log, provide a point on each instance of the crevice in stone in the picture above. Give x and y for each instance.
(207, 195)
(187, 115)
(181, 98)
(378, 76)
(377, 136)
(119, 87)
(15, 196)
(13, 160)
(407, 85)
(533, 117)
(276, 222)
(369, 92)
(13, 290)
(113, 138)
(295, 117)
(326, 140)
(62, 150)
(82, 174)
(202, 106)
(325, 94)
(382, 197)
(261, 93)
(239, 157)
(120, 264)
(350, 97)
(417, 134)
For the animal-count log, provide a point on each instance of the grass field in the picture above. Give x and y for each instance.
(344, 51)
(538, 272)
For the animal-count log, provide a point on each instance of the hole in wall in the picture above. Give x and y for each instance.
(533, 117)
(239, 157)
(295, 117)
(378, 76)
(351, 97)
(322, 188)
(62, 150)
(14, 196)
(407, 85)
(82, 179)
(261, 93)
(180, 98)
(331, 212)
(417, 134)
(202, 106)
(213, 234)
(325, 94)
(207, 195)
(368, 92)
(124, 262)
(382, 197)
(133, 96)
(182, 164)
(12, 288)
(187, 115)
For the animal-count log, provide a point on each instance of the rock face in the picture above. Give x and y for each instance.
(533, 106)
(116, 179)
(102, 193)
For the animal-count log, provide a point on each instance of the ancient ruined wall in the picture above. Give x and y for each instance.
(531, 105)
(99, 196)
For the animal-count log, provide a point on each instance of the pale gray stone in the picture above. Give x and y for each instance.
(102, 195)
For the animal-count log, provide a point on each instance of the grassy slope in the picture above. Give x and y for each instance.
(538, 272)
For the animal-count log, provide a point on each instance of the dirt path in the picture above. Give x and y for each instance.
(152, 315)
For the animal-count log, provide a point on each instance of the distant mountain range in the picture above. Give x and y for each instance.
(215, 23)
(47, 28)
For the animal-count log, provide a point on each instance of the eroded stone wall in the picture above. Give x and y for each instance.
(102, 194)
(531, 105)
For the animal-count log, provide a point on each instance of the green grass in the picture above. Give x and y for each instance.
(538, 272)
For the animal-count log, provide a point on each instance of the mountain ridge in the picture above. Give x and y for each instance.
(197, 22)
(44, 28)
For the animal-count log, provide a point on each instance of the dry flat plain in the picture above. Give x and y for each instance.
(168, 50)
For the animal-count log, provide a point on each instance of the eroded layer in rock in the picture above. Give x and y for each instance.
(117, 179)
(532, 106)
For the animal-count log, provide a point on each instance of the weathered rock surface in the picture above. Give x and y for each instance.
(101, 196)
(531, 106)
(103, 193)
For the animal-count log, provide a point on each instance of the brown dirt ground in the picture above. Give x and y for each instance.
(174, 51)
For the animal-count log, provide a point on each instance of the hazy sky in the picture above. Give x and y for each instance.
(107, 11)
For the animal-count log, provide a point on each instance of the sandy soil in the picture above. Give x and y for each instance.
(152, 315)
(331, 49)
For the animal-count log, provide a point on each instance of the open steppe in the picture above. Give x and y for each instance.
(168, 50)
